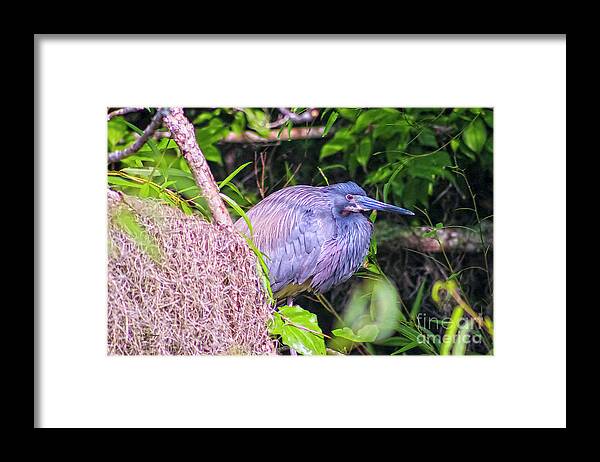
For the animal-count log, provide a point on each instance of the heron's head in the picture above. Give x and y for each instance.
(351, 198)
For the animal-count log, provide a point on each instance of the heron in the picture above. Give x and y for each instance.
(314, 237)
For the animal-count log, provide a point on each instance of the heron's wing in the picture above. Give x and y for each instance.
(296, 262)
(291, 229)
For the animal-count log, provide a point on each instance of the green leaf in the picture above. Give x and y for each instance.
(126, 220)
(389, 183)
(261, 262)
(426, 167)
(416, 307)
(464, 149)
(333, 167)
(346, 333)
(427, 138)
(146, 171)
(488, 117)
(236, 190)
(384, 308)
(234, 205)
(117, 131)
(431, 234)
(414, 335)
(123, 182)
(212, 154)
(408, 331)
(232, 175)
(332, 118)
(349, 113)
(340, 142)
(145, 190)
(132, 161)
(143, 172)
(213, 132)
(408, 346)
(183, 165)
(275, 325)
(166, 184)
(299, 330)
(258, 121)
(368, 117)
(373, 303)
(203, 117)
(239, 123)
(454, 144)
(186, 208)
(138, 130)
(366, 333)
(164, 144)
(475, 135)
(364, 152)
(395, 341)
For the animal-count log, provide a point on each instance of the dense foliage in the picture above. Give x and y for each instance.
(437, 162)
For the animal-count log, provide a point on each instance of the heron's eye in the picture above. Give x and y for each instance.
(349, 197)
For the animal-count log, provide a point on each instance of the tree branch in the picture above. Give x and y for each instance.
(454, 239)
(123, 111)
(307, 116)
(299, 133)
(182, 131)
(116, 156)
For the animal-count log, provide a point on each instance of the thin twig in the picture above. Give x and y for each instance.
(279, 122)
(307, 116)
(299, 326)
(123, 111)
(137, 145)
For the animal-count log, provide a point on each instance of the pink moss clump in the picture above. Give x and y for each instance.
(179, 285)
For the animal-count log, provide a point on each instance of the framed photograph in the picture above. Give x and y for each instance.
(360, 223)
(241, 230)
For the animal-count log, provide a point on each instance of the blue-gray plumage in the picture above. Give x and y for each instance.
(314, 237)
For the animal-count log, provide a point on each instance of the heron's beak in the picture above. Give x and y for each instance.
(367, 203)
